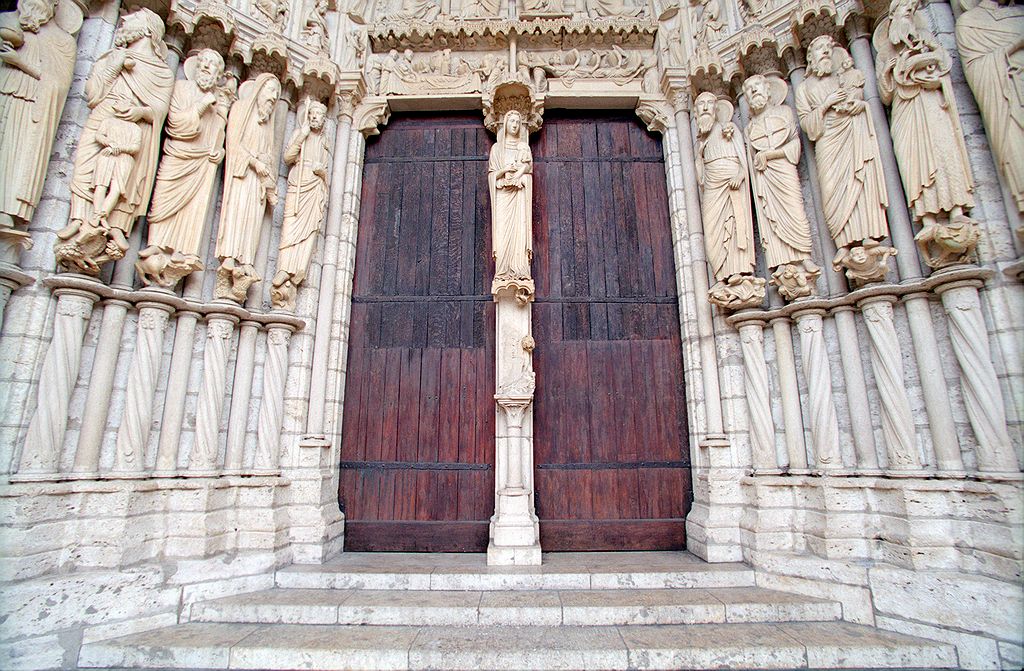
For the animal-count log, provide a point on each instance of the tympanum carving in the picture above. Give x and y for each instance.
(832, 111)
(305, 203)
(725, 205)
(128, 93)
(184, 182)
(250, 184)
(774, 150)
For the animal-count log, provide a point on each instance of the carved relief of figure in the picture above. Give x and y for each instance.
(128, 91)
(315, 31)
(510, 179)
(991, 42)
(37, 60)
(184, 182)
(250, 184)
(417, 10)
(305, 203)
(725, 202)
(710, 27)
(832, 111)
(481, 9)
(543, 7)
(774, 148)
(611, 9)
(275, 12)
(913, 77)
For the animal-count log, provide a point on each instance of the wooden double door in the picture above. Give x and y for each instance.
(610, 438)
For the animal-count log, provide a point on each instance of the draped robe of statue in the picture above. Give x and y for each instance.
(305, 203)
(30, 109)
(728, 220)
(511, 205)
(246, 193)
(184, 182)
(782, 220)
(417, 10)
(148, 82)
(989, 38)
(849, 168)
(925, 124)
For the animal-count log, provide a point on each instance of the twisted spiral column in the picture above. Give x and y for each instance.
(41, 455)
(133, 434)
(755, 377)
(887, 365)
(275, 373)
(978, 381)
(203, 459)
(824, 426)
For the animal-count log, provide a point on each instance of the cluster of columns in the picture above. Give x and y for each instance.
(815, 414)
(234, 334)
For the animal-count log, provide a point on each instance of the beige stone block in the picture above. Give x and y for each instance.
(278, 606)
(973, 652)
(134, 625)
(324, 647)
(845, 645)
(751, 604)
(515, 648)
(201, 645)
(521, 608)
(629, 607)
(856, 600)
(966, 602)
(711, 647)
(410, 608)
(40, 652)
(225, 587)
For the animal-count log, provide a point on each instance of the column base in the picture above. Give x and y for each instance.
(520, 555)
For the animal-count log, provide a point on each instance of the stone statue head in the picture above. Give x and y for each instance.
(513, 125)
(139, 25)
(819, 55)
(704, 105)
(33, 14)
(755, 89)
(206, 69)
(266, 98)
(316, 114)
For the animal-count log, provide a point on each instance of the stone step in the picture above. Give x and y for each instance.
(560, 571)
(815, 645)
(463, 608)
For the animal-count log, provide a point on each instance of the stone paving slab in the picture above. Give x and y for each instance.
(327, 647)
(559, 571)
(463, 608)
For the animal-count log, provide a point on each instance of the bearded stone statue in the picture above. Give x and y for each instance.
(725, 205)
(37, 60)
(129, 92)
(832, 111)
(184, 182)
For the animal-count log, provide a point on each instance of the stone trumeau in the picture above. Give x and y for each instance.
(733, 284)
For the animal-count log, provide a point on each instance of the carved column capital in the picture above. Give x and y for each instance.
(370, 113)
(514, 407)
(656, 112)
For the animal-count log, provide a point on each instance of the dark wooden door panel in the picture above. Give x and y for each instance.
(417, 440)
(612, 460)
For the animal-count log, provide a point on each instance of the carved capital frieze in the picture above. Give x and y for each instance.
(760, 51)
(708, 72)
(513, 94)
(813, 18)
(371, 113)
(656, 113)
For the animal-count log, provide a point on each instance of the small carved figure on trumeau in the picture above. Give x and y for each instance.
(510, 178)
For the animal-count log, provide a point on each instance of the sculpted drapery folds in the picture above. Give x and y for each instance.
(416, 10)
(725, 205)
(510, 178)
(250, 184)
(305, 203)
(913, 77)
(128, 91)
(774, 150)
(832, 111)
(991, 42)
(37, 59)
(184, 182)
